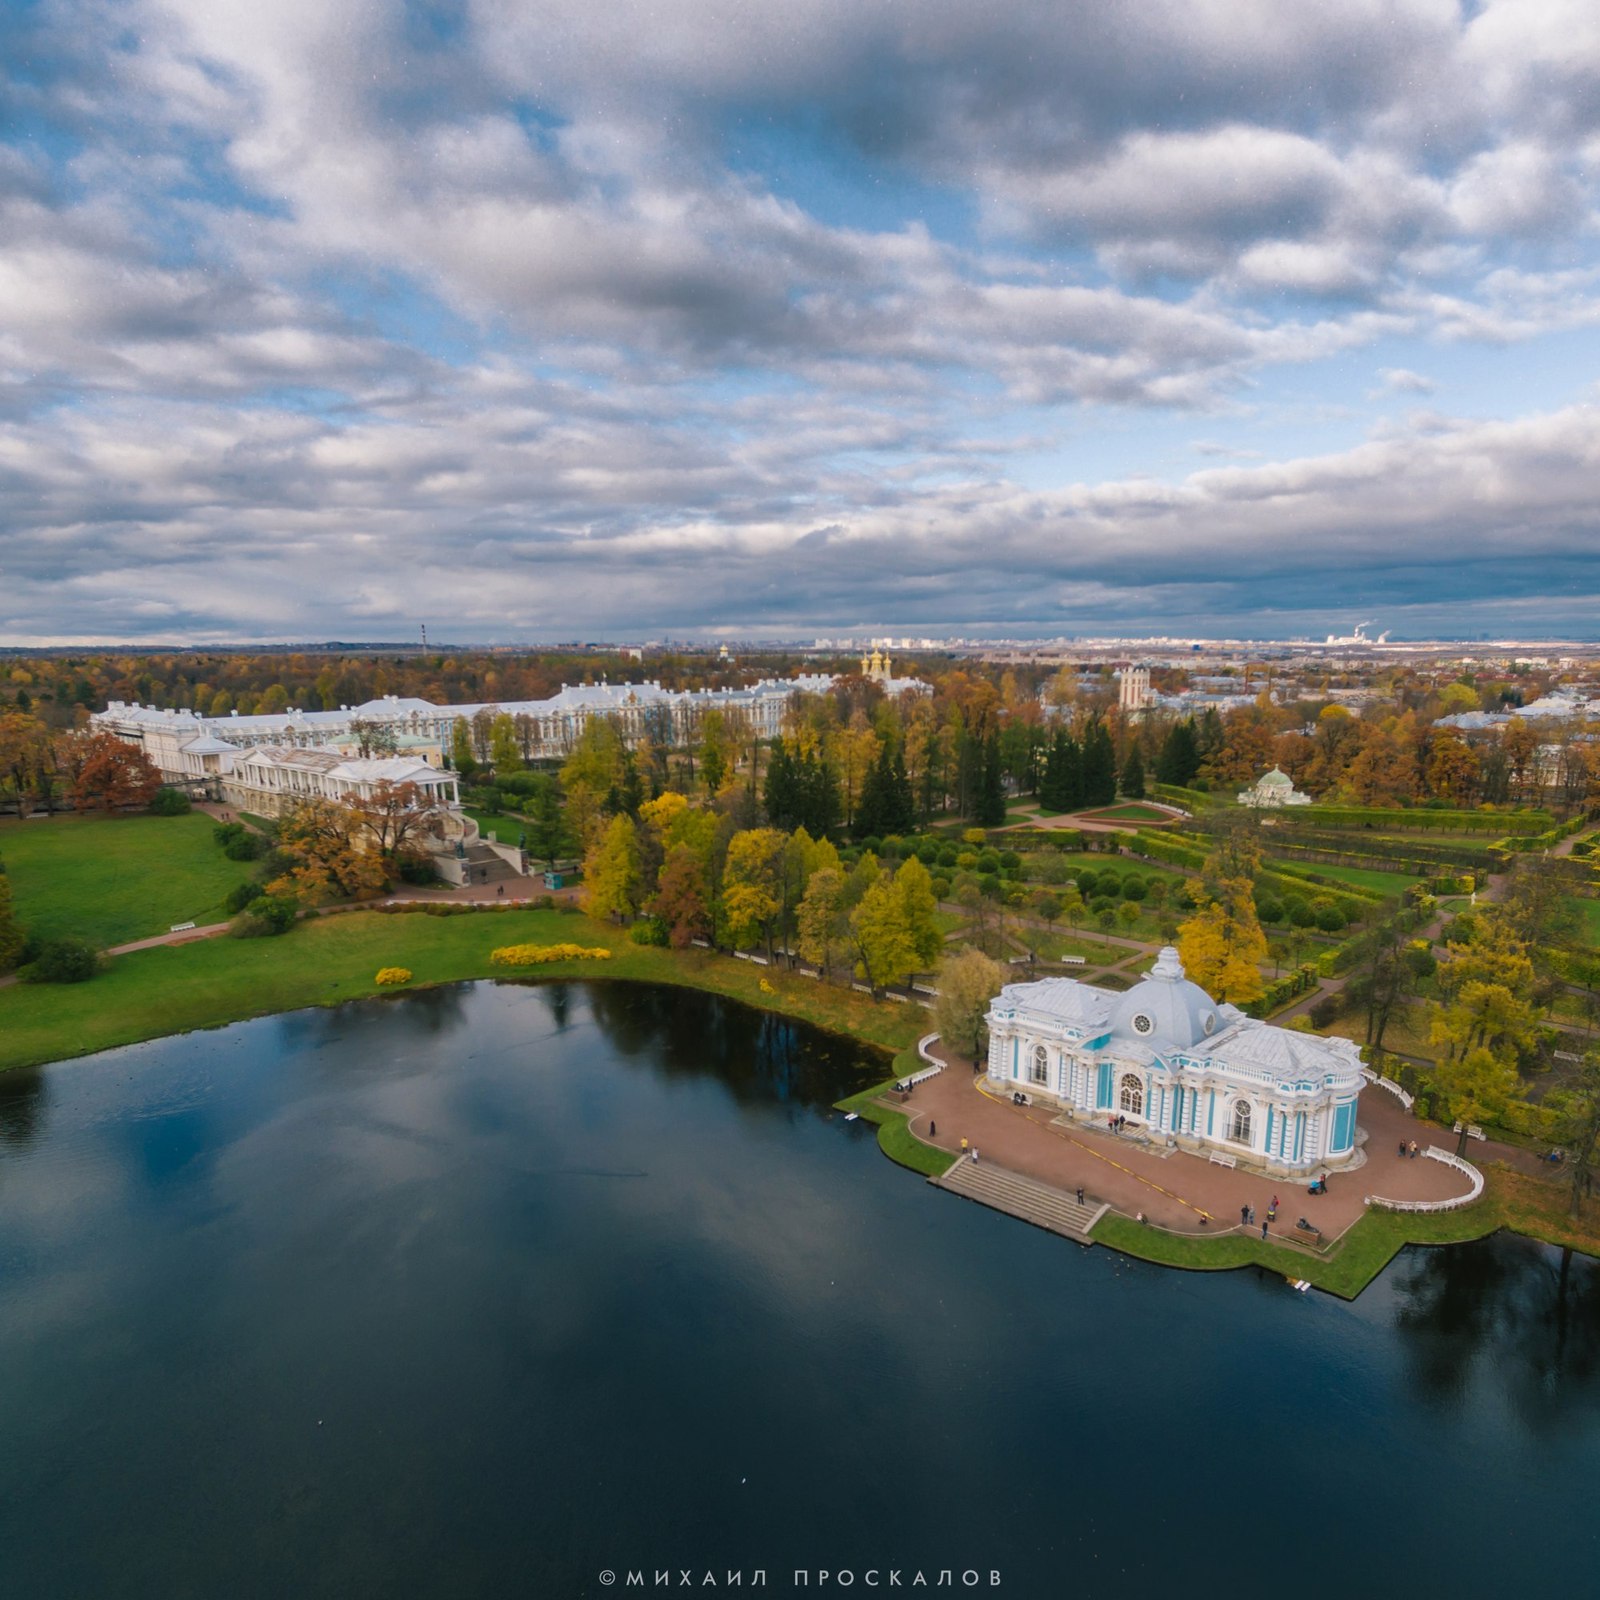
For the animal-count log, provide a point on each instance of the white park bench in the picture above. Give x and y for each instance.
(1217, 1159)
(180, 927)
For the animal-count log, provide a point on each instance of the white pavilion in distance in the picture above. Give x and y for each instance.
(1181, 1067)
(1271, 790)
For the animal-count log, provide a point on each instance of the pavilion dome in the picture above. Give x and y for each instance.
(1166, 1008)
(1276, 779)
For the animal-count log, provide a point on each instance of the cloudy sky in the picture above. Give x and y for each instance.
(581, 318)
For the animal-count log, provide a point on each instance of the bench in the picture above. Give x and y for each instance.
(1073, 961)
(180, 927)
(1217, 1159)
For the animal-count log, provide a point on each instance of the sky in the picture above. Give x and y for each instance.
(556, 319)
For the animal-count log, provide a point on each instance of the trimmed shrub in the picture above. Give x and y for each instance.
(1134, 888)
(1301, 914)
(1330, 919)
(389, 977)
(170, 802)
(648, 930)
(236, 899)
(1269, 910)
(941, 887)
(265, 917)
(539, 955)
(65, 960)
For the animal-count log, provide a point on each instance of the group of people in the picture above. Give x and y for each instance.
(1409, 1151)
(1116, 1124)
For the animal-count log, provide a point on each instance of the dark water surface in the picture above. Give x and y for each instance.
(485, 1290)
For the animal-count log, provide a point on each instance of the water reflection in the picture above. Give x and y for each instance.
(24, 1096)
(1506, 1316)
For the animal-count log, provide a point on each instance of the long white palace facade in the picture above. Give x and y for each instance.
(1181, 1068)
(261, 762)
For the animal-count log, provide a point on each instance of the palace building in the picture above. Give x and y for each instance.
(1181, 1068)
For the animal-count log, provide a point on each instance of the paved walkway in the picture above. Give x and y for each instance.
(1176, 1190)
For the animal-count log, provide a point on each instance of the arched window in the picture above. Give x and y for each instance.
(1239, 1124)
(1038, 1069)
(1132, 1098)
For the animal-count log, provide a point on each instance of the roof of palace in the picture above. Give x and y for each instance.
(1165, 1015)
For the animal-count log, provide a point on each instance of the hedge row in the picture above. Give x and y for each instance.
(1389, 855)
(1344, 956)
(1282, 990)
(1194, 799)
(1545, 840)
(1354, 906)
(1172, 849)
(1419, 820)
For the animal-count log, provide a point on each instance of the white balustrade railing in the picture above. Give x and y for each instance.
(1450, 1159)
(1388, 1083)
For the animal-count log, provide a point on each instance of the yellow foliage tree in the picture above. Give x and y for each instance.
(611, 877)
(1222, 945)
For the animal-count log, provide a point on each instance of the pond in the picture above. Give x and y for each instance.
(494, 1288)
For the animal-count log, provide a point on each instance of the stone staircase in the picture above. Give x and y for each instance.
(1042, 1204)
(486, 867)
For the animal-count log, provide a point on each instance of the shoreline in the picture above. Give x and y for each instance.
(172, 989)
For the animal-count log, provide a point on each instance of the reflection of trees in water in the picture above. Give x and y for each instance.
(24, 1096)
(1526, 1314)
(759, 1056)
(433, 1010)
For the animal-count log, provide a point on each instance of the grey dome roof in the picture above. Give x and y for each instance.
(1166, 1009)
(1276, 779)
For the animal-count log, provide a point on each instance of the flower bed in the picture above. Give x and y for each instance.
(538, 955)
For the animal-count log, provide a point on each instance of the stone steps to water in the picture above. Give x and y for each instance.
(1042, 1204)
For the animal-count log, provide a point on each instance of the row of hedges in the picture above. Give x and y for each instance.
(1546, 840)
(1192, 799)
(1344, 956)
(1417, 820)
(1292, 869)
(1282, 990)
(1173, 849)
(1355, 906)
(1389, 855)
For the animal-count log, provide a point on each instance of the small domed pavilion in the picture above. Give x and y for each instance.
(1181, 1067)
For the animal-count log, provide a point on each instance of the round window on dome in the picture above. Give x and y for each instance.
(1142, 1023)
(1210, 1024)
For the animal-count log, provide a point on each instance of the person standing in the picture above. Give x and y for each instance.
(1263, 1230)
(974, 1152)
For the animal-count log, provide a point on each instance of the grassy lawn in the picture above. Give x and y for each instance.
(176, 988)
(895, 1137)
(1388, 883)
(1407, 1032)
(1132, 811)
(1588, 909)
(1347, 1268)
(1052, 946)
(111, 880)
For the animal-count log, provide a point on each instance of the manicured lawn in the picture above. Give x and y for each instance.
(1347, 1268)
(1133, 811)
(1361, 877)
(176, 988)
(111, 880)
(895, 1137)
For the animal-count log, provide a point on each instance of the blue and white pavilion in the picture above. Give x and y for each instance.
(1185, 1068)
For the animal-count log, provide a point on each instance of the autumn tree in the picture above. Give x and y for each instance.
(462, 758)
(505, 747)
(26, 758)
(821, 918)
(327, 846)
(1223, 944)
(1576, 1127)
(682, 899)
(611, 879)
(376, 739)
(752, 885)
(397, 818)
(878, 934)
(110, 773)
(967, 982)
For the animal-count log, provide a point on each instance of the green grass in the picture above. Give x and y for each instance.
(176, 988)
(1345, 1269)
(112, 880)
(1388, 883)
(1131, 811)
(1589, 910)
(895, 1137)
